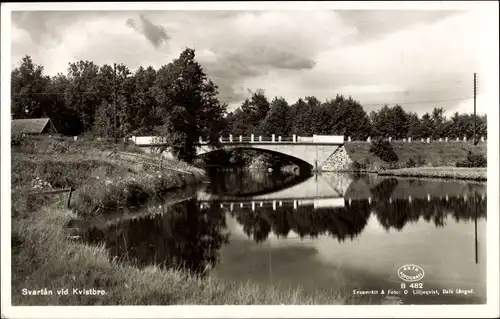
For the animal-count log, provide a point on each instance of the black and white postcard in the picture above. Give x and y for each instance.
(250, 159)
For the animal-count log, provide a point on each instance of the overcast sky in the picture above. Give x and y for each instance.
(410, 57)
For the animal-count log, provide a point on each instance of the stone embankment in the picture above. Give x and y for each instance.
(338, 161)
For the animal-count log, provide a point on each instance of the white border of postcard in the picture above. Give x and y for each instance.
(489, 55)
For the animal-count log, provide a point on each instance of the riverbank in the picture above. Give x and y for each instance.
(44, 256)
(417, 154)
(420, 160)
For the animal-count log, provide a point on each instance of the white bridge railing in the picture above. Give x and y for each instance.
(326, 139)
(322, 139)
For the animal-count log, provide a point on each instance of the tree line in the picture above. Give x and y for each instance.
(179, 102)
(345, 116)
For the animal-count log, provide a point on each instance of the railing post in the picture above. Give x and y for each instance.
(230, 138)
(482, 139)
(241, 138)
(220, 139)
(465, 138)
(428, 140)
(200, 140)
(279, 138)
(349, 139)
(251, 138)
(294, 138)
(260, 138)
(446, 139)
(369, 139)
(272, 138)
(409, 139)
(390, 139)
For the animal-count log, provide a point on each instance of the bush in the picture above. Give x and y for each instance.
(473, 160)
(356, 166)
(17, 139)
(411, 162)
(384, 150)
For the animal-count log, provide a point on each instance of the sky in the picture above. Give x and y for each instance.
(420, 59)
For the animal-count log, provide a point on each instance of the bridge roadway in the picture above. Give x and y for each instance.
(316, 150)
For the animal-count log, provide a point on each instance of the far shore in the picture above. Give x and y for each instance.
(448, 172)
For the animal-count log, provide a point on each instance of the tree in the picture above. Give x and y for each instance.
(28, 90)
(187, 102)
(84, 92)
(301, 114)
(413, 125)
(426, 126)
(277, 119)
(438, 123)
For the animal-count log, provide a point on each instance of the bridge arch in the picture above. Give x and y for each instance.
(205, 150)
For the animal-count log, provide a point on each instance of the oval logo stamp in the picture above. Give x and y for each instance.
(411, 273)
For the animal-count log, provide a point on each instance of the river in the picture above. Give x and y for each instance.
(324, 233)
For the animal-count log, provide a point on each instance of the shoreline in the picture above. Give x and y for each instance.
(473, 174)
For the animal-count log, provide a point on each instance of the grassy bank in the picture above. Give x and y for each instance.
(475, 173)
(417, 159)
(431, 155)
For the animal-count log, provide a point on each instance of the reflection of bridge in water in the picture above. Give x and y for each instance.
(316, 191)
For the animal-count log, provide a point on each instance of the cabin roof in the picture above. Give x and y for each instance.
(31, 125)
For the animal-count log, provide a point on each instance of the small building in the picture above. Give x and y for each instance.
(33, 126)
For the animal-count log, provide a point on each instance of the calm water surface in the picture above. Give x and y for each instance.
(321, 233)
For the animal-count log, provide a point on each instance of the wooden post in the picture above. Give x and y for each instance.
(69, 197)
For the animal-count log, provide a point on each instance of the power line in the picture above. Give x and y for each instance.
(420, 102)
(52, 93)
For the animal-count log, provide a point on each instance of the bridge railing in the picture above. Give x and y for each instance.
(274, 138)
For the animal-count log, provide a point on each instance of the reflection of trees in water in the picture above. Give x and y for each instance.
(341, 223)
(383, 190)
(245, 183)
(182, 237)
(349, 221)
(400, 212)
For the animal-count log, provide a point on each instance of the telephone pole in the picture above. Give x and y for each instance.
(475, 91)
(114, 102)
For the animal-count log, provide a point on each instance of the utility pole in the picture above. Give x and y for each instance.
(475, 90)
(114, 102)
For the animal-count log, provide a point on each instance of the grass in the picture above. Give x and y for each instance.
(44, 257)
(476, 173)
(437, 159)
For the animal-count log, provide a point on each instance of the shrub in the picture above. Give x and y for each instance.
(411, 162)
(356, 166)
(473, 160)
(384, 150)
(17, 139)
